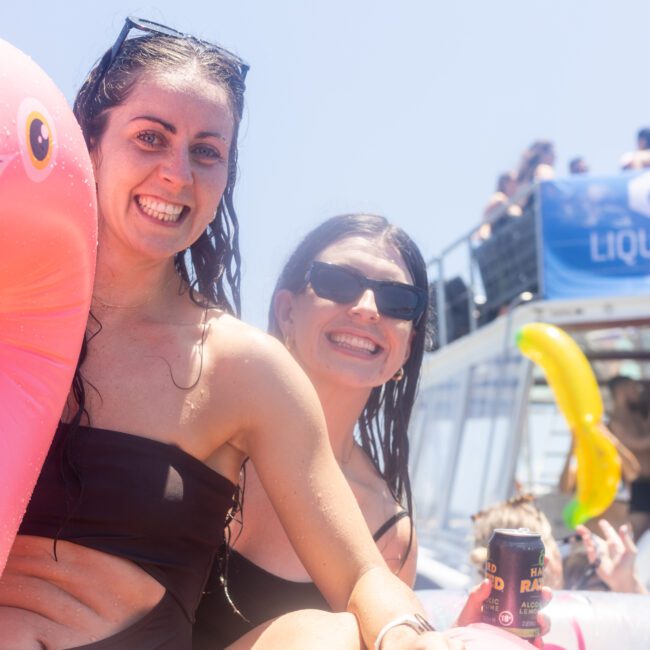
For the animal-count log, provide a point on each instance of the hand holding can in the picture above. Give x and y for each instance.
(515, 567)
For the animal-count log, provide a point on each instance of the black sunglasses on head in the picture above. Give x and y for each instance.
(343, 285)
(151, 27)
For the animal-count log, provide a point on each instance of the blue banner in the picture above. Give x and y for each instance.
(595, 235)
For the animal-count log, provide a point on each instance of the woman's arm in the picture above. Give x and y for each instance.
(630, 468)
(284, 434)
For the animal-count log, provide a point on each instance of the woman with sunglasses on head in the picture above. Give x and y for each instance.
(350, 307)
(173, 392)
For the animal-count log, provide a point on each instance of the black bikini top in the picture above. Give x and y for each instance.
(258, 595)
(136, 498)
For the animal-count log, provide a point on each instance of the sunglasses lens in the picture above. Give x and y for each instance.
(397, 302)
(343, 286)
(335, 283)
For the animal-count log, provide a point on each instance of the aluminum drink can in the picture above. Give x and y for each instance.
(514, 566)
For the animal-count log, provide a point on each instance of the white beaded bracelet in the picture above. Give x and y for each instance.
(416, 622)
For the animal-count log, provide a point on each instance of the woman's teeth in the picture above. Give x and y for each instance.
(354, 342)
(160, 209)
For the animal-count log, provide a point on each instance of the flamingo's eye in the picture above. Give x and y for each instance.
(37, 138)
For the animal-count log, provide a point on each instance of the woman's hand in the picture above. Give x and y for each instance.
(471, 612)
(614, 558)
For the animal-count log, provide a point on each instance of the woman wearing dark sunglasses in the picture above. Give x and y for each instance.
(173, 392)
(350, 307)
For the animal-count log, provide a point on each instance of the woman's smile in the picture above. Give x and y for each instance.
(161, 210)
(355, 343)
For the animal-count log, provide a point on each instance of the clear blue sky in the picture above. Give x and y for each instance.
(405, 108)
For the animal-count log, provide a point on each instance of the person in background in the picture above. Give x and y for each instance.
(639, 158)
(630, 467)
(500, 207)
(518, 512)
(578, 166)
(350, 305)
(629, 421)
(536, 163)
(611, 560)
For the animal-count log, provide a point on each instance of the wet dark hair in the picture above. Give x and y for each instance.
(211, 265)
(383, 423)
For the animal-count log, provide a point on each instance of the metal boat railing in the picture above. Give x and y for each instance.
(490, 278)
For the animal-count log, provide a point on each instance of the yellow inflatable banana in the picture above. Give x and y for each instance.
(576, 391)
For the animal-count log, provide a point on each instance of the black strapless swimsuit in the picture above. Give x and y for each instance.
(143, 500)
(258, 595)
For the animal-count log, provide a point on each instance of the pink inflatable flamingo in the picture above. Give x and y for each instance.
(48, 241)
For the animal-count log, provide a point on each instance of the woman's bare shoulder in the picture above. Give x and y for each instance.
(253, 368)
(251, 386)
(230, 339)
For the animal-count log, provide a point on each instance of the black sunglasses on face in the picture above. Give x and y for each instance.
(150, 27)
(343, 285)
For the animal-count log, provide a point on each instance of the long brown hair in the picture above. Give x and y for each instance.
(383, 423)
(211, 265)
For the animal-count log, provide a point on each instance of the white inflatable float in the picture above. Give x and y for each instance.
(580, 620)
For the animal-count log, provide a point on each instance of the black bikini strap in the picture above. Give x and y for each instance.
(388, 524)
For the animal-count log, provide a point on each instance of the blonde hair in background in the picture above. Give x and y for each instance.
(518, 512)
